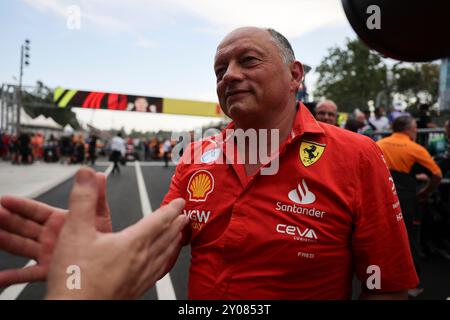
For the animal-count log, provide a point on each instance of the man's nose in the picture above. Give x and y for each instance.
(233, 73)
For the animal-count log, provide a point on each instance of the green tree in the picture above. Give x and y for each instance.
(419, 83)
(351, 76)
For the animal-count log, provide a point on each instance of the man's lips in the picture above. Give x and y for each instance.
(232, 93)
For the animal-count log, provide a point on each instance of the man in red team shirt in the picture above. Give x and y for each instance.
(329, 211)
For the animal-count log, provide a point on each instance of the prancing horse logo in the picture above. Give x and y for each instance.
(310, 152)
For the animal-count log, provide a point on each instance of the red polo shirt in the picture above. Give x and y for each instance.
(331, 210)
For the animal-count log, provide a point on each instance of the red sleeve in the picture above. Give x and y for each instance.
(174, 188)
(176, 191)
(380, 238)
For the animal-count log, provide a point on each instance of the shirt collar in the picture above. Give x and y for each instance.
(401, 135)
(305, 123)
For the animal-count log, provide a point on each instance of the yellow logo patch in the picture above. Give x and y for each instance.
(310, 152)
(200, 185)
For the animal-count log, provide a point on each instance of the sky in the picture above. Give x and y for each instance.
(162, 48)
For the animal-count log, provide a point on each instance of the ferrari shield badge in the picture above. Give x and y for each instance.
(310, 152)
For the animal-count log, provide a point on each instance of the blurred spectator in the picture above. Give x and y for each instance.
(154, 147)
(92, 148)
(367, 127)
(65, 149)
(399, 110)
(118, 149)
(14, 149)
(167, 147)
(37, 144)
(424, 118)
(401, 153)
(5, 140)
(146, 150)
(379, 120)
(326, 111)
(353, 125)
(51, 149)
(25, 155)
(79, 150)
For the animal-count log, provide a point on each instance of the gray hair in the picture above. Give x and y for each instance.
(286, 52)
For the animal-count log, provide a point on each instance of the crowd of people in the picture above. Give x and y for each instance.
(417, 172)
(28, 147)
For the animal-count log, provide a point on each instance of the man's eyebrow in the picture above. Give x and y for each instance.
(253, 49)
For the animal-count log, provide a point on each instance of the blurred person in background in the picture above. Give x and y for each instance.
(379, 120)
(167, 147)
(92, 151)
(327, 111)
(25, 154)
(118, 150)
(424, 120)
(401, 153)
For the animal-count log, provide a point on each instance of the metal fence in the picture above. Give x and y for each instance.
(424, 136)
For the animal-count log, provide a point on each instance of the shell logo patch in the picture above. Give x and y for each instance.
(200, 185)
(310, 152)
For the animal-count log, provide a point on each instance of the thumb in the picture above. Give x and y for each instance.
(83, 199)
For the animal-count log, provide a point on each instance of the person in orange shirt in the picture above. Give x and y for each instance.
(401, 153)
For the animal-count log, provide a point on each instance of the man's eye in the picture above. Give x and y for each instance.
(219, 73)
(249, 59)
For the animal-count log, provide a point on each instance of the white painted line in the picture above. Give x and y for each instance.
(108, 170)
(164, 287)
(145, 201)
(12, 292)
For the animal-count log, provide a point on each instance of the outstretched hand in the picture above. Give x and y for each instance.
(29, 228)
(121, 265)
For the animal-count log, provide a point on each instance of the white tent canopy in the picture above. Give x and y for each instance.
(38, 122)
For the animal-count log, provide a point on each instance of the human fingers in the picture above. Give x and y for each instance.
(83, 200)
(28, 208)
(19, 245)
(22, 275)
(160, 244)
(157, 222)
(16, 224)
(164, 262)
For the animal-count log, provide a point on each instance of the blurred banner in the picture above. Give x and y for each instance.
(67, 98)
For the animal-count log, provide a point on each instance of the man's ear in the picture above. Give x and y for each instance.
(297, 74)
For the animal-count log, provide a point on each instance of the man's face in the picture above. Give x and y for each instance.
(141, 104)
(252, 79)
(326, 113)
